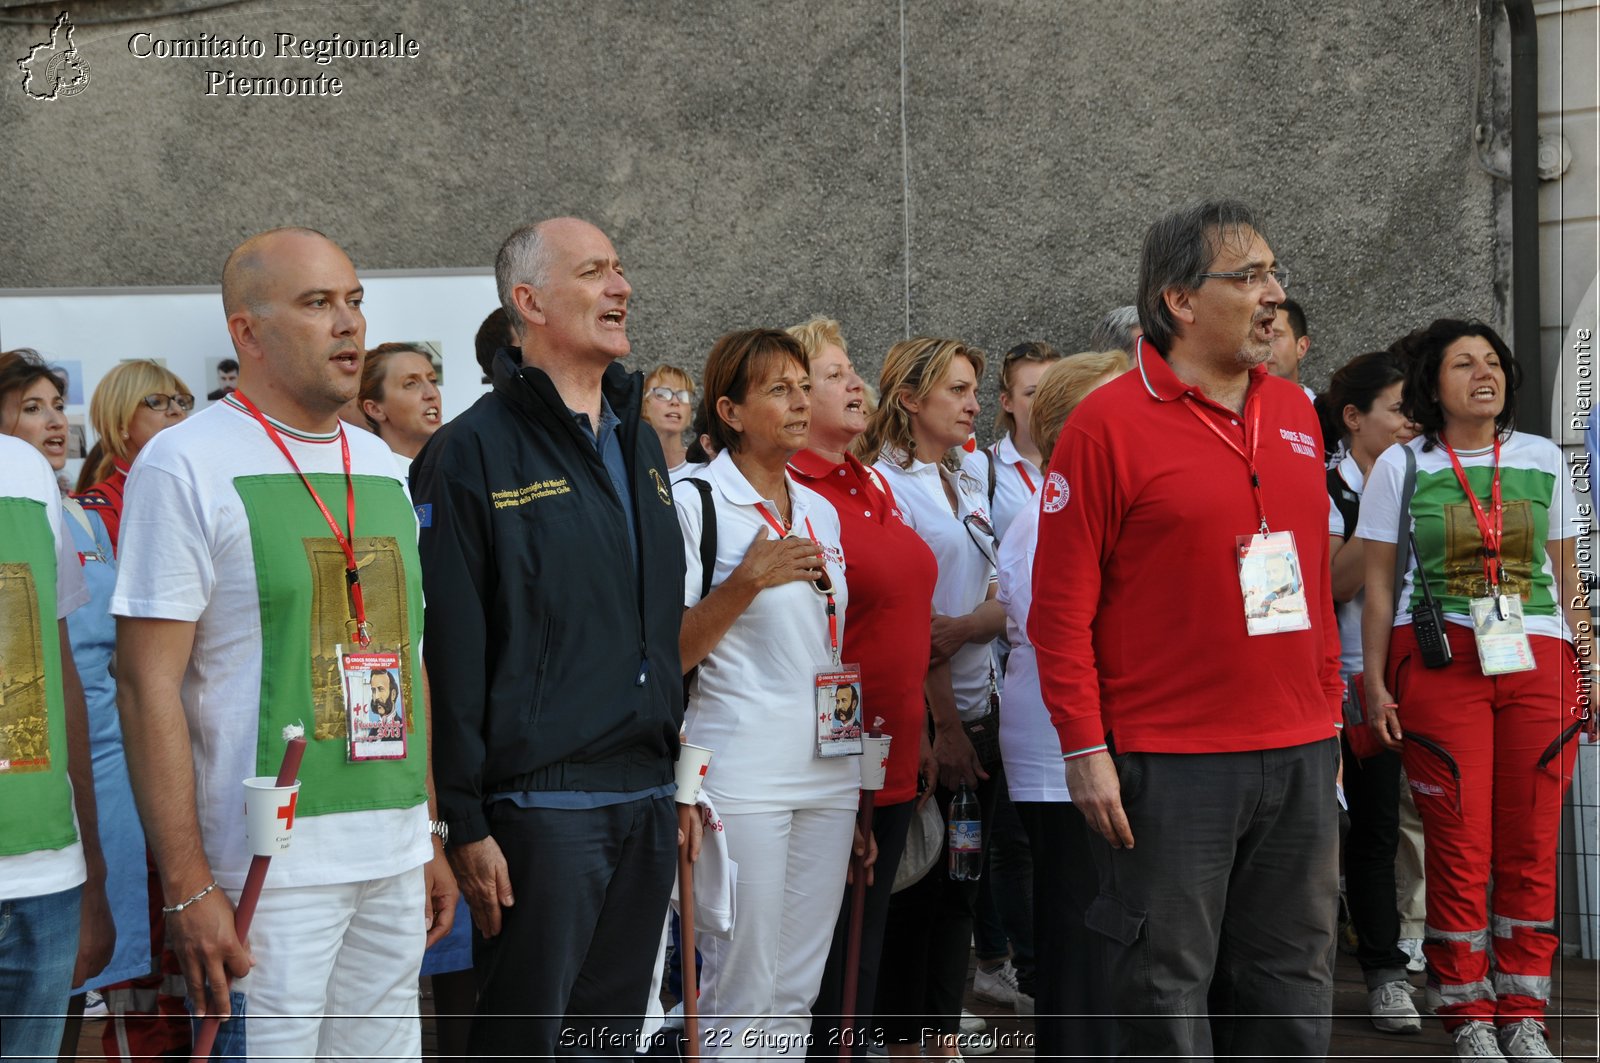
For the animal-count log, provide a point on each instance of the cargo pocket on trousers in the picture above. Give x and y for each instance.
(1109, 917)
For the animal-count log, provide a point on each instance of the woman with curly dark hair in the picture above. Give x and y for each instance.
(1472, 672)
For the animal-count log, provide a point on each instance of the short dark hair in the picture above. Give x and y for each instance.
(493, 334)
(1178, 247)
(1423, 352)
(701, 426)
(1297, 317)
(734, 360)
(227, 365)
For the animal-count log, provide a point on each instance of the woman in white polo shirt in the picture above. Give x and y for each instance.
(1069, 990)
(929, 402)
(761, 638)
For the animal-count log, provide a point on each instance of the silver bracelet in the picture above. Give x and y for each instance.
(174, 909)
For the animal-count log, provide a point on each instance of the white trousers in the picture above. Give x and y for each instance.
(336, 971)
(758, 988)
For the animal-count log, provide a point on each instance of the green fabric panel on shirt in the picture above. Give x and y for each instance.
(35, 796)
(1451, 546)
(305, 613)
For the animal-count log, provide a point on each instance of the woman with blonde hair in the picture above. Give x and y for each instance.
(928, 407)
(668, 406)
(1067, 985)
(133, 402)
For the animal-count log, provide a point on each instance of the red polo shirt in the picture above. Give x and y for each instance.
(1138, 619)
(891, 573)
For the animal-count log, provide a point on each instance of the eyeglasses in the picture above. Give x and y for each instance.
(1253, 277)
(162, 403)
(668, 394)
(982, 533)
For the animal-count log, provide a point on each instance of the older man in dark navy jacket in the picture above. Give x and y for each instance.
(553, 567)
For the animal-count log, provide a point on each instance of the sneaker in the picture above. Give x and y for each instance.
(997, 984)
(1412, 947)
(1524, 1039)
(94, 1005)
(1391, 1009)
(971, 1023)
(1475, 1041)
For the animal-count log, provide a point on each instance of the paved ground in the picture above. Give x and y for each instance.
(1574, 1026)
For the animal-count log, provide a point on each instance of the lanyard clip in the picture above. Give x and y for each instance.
(363, 633)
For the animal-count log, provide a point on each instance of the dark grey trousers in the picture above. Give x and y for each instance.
(1220, 920)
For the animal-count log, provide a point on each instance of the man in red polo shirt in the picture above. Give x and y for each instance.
(1189, 658)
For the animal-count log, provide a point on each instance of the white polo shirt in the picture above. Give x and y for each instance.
(1015, 480)
(753, 699)
(965, 569)
(1029, 745)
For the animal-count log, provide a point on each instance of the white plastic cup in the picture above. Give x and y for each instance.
(269, 814)
(874, 761)
(691, 773)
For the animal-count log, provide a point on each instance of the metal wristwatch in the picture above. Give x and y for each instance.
(439, 829)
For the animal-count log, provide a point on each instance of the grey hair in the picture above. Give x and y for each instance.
(1179, 247)
(524, 258)
(1115, 330)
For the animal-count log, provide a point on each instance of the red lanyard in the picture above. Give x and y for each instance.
(1022, 471)
(1494, 569)
(1252, 437)
(352, 574)
(833, 612)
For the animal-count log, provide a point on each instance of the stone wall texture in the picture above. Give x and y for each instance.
(759, 163)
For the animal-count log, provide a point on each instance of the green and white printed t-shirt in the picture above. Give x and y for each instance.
(41, 581)
(218, 530)
(1539, 509)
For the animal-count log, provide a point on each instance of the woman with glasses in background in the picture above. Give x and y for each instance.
(928, 407)
(668, 405)
(134, 401)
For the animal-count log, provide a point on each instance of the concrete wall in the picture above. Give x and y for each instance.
(748, 158)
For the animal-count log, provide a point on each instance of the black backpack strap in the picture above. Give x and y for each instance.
(708, 534)
(1346, 501)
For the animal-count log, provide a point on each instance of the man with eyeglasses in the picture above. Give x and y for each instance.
(1197, 717)
(554, 568)
(267, 556)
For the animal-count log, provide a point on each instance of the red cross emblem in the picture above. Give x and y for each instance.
(286, 813)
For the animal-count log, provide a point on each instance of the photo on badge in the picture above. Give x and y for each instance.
(374, 705)
(839, 712)
(1270, 580)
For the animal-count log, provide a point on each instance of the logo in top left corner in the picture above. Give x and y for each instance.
(54, 69)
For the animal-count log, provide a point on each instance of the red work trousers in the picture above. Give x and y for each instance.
(1488, 758)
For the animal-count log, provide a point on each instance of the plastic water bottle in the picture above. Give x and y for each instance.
(966, 836)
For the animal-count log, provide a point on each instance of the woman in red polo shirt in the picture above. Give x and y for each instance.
(892, 574)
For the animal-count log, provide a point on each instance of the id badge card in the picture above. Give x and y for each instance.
(374, 705)
(1270, 580)
(1497, 629)
(839, 712)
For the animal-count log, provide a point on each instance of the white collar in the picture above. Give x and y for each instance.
(738, 490)
(1007, 451)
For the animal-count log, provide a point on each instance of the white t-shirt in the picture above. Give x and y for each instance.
(1539, 509)
(25, 474)
(1016, 480)
(186, 553)
(753, 699)
(1030, 748)
(1349, 613)
(966, 570)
